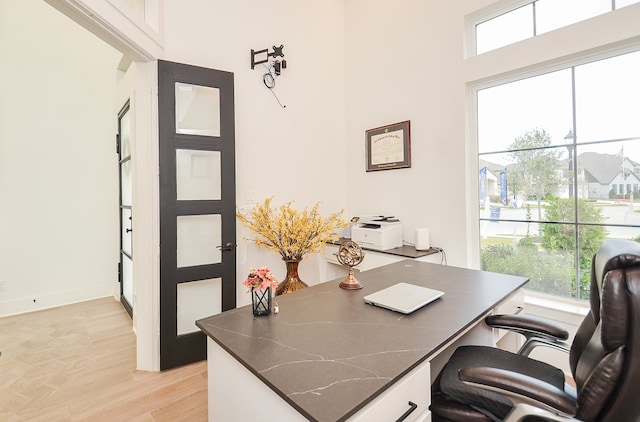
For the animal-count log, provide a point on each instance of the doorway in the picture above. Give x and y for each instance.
(125, 266)
(56, 67)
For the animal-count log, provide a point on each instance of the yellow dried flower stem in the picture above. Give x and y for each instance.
(291, 233)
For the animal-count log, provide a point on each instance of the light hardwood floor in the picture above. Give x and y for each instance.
(77, 363)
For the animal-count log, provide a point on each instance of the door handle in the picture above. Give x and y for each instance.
(227, 247)
(128, 230)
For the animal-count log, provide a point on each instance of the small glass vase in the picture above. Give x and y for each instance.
(292, 282)
(261, 301)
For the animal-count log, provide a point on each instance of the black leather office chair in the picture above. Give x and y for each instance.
(488, 384)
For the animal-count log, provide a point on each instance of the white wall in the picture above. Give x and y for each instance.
(58, 167)
(353, 65)
(404, 61)
(295, 153)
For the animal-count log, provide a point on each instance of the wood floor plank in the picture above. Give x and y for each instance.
(118, 407)
(187, 409)
(77, 363)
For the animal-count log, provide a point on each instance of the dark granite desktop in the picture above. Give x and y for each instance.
(326, 339)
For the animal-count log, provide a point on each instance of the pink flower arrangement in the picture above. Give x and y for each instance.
(261, 278)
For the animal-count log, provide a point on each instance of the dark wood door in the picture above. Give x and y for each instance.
(197, 205)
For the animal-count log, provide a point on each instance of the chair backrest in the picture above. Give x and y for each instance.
(605, 354)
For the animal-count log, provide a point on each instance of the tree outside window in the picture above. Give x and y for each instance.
(565, 199)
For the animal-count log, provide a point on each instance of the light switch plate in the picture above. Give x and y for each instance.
(249, 197)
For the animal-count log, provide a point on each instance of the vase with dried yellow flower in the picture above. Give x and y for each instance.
(292, 233)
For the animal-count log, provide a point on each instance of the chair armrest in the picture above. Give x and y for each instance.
(520, 388)
(528, 324)
(537, 331)
(523, 412)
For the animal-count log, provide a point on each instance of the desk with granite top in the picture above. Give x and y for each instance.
(328, 356)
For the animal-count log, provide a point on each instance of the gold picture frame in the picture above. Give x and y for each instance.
(389, 147)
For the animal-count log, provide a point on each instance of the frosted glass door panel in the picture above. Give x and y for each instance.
(127, 183)
(126, 231)
(125, 135)
(127, 278)
(198, 240)
(197, 110)
(198, 175)
(197, 300)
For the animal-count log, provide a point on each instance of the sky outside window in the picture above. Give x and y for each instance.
(554, 14)
(608, 99)
(607, 106)
(518, 24)
(506, 29)
(507, 111)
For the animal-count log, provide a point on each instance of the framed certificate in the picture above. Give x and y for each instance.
(388, 147)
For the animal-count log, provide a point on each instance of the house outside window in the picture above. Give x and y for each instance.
(557, 155)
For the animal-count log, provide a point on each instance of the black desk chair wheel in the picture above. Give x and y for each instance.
(488, 384)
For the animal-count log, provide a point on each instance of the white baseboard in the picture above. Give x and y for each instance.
(52, 300)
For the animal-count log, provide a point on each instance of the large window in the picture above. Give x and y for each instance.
(538, 17)
(559, 160)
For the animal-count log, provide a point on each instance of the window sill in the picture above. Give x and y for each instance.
(556, 303)
(546, 305)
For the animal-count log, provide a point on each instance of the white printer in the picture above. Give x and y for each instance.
(378, 232)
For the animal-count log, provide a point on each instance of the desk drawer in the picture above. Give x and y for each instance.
(415, 387)
(514, 304)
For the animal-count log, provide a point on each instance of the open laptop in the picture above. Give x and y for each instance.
(403, 297)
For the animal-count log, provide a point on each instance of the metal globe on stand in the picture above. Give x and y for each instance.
(350, 254)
